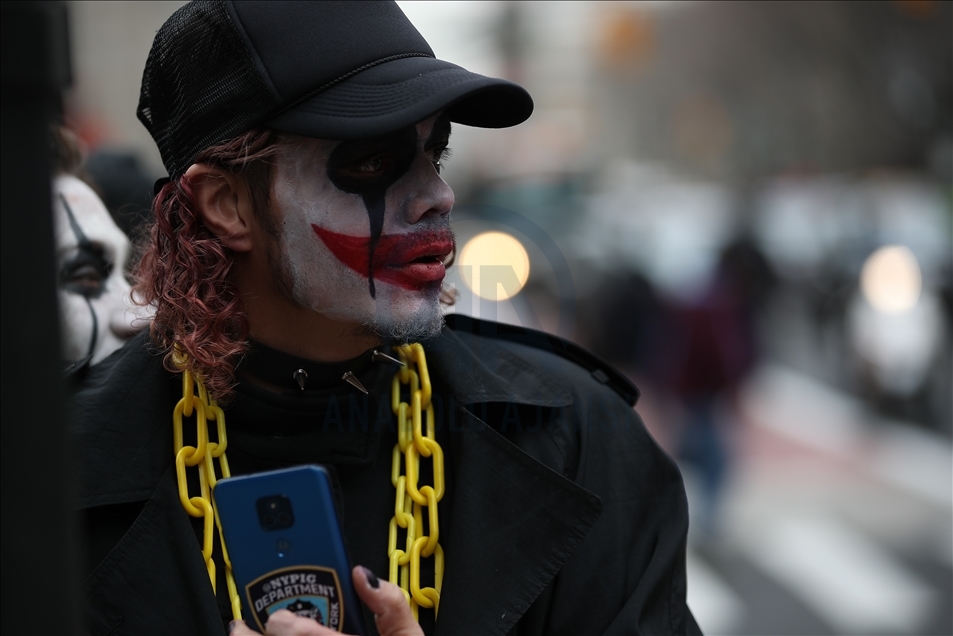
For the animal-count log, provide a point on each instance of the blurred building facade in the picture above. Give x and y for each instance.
(665, 130)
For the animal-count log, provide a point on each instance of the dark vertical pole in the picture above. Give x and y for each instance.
(39, 547)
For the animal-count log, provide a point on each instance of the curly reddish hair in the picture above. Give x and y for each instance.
(185, 269)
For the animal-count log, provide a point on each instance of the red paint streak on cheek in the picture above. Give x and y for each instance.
(350, 250)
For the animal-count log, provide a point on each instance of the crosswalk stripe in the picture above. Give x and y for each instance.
(716, 607)
(847, 579)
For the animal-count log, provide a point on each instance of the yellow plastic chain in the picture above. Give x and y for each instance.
(413, 443)
(202, 456)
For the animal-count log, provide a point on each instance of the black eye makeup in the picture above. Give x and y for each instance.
(86, 273)
(374, 166)
(368, 167)
(362, 165)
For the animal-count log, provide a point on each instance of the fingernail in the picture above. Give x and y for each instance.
(372, 579)
(231, 626)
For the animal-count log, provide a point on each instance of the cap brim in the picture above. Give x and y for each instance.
(402, 92)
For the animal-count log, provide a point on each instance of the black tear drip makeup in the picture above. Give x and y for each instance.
(91, 259)
(368, 168)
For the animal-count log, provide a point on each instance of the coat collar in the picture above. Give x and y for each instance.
(477, 370)
(122, 417)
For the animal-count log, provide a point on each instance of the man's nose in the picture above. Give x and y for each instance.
(428, 195)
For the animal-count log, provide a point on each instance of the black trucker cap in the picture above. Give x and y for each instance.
(333, 70)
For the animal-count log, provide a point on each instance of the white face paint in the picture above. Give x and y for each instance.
(96, 311)
(326, 232)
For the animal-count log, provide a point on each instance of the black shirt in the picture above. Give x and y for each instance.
(328, 422)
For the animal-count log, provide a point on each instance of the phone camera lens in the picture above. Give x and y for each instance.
(275, 512)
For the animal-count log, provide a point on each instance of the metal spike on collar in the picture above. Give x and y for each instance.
(377, 356)
(300, 376)
(351, 379)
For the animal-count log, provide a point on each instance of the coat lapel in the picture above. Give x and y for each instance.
(514, 521)
(511, 532)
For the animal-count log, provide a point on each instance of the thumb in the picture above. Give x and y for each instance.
(386, 600)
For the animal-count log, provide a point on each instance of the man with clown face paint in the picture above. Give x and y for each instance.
(361, 230)
(299, 247)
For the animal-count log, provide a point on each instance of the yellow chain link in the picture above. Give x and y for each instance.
(410, 501)
(413, 443)
(202, 457)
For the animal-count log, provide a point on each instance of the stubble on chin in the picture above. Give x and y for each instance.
(423, 324)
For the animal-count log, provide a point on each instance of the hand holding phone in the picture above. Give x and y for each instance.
(284, 540)
(385, 600)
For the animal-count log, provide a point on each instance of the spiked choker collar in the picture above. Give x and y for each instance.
(290, 373)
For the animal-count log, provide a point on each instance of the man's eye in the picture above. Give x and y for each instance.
(372, 165)
(87, 272)
(85, 279)
(439, 158)
(369, 168)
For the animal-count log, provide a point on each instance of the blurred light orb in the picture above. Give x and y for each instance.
(494, 249)
(890, 279)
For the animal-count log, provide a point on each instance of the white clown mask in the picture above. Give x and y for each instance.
(96, 310)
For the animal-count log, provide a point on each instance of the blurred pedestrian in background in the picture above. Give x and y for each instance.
(627, 329)
(711, 346)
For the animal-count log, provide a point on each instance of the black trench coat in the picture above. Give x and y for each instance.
(572, 523)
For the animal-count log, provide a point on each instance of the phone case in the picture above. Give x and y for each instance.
(286, 548)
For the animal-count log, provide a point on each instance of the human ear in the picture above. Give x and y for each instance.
(223, 203)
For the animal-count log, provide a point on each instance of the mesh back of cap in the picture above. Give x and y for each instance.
(200, 86)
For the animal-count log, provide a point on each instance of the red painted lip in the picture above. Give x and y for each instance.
(413, 260)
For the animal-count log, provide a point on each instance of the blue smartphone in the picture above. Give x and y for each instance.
(284, 540)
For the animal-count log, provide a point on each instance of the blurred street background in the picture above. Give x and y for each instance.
(748, 208)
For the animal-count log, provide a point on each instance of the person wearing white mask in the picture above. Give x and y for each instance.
(97, 314)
